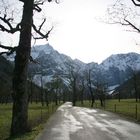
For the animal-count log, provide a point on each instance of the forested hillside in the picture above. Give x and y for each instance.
(6, 72)
(6, 69)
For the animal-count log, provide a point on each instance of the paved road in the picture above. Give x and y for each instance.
(76, 123)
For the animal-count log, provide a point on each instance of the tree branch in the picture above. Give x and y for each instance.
(36, 5)
(37, 8)
(6, 47)
(132, 25)
(42, 24)
(40, 2)
(32, 60)
(10, 49)
(38, 31)
(22, 0)
(136, 4)
(1, 53)
(11, 29)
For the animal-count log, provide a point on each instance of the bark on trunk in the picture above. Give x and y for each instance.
(135, 87)
(74, 96)
(20, 97)
(46, 98)
(92, 96)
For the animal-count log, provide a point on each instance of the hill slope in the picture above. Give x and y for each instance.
(114, 70)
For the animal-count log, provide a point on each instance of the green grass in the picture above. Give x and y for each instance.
(5, 120)
(126, 107)
(38, 116)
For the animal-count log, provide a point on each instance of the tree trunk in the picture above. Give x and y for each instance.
(74, 96)
(46, 98)
(92, 96)
(64, 97)
(101, 101)
(20, 97)
(119, 97)
(136, 92)
(135, 86)
(82, 99)
(55, 98)
(90, 89)
(82, 95)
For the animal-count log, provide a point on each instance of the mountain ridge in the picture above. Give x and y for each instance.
(115, 69)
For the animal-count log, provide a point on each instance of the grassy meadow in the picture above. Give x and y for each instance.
(127, 107)
(38, 116)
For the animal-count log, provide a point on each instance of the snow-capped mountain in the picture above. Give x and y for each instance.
(40, 50)
(51, 63)
(114, 70)
(119, 67)
(122, 61)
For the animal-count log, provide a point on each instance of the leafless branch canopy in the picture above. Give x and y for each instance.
(121, 14)
(6, 25)
(9, 28)
(41, 34)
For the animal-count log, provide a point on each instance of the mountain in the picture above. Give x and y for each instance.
(122, 61)
(51, 63)
(114, 70)
(118, 68)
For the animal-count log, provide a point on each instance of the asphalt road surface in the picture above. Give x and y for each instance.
(77, 123)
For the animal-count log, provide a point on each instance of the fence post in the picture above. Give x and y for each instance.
(136, 111)
(115, 107)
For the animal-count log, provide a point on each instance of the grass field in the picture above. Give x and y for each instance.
(38, 116)
(126, 107)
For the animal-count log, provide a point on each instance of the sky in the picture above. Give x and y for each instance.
(79, 32)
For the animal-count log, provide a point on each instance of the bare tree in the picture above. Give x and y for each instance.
(73, 83)
(57, 85)
(73, 79)
(125, 15)
(120, 13)
(90, 86)
(135, 86)
(24, 27)
(81, 86)
(101, 91)
(135, 78)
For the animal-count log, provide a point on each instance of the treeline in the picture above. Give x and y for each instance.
(72, 86)
(129, 89)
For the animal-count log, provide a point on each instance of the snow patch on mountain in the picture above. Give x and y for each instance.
(40, 80)
(40, 50)
(122, 62)
(114, 70)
